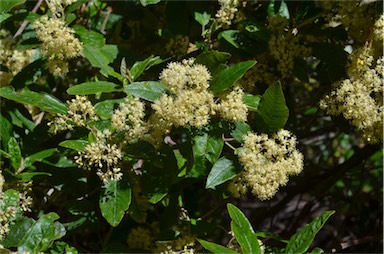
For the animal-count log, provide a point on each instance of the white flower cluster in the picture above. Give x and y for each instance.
(267, 162)
(80, 113)
(58, 43)
(102, 155)
(128, 118)
(11, 58)
(227, 11)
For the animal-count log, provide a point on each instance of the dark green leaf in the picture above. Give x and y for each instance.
(214, 147)
(9, 198)
(272, 112)
(222, 171)
(77, 145)
(114, 201)
(243, 230)
(213, 60)
(302, 240)
(249, 43)
(7, 5)
(38, 156)
(6, 130)
(27, 176)
(139, 67)
(63, 162)
(202, 18)
(93, 87)
(216, 248)
(148, 2)
(199, 148)
(22, 119)
(241, 129)
(283, 10)
(4, 16)
(15, 153)
(252, 101)
(105, 108)
(62, 247)
(148, 90)
(45, 102)
(230, 75)
(40, 236)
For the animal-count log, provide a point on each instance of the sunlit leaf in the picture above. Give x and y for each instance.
(147, 90)
(222, 171)
(216, 248)
(93, 88)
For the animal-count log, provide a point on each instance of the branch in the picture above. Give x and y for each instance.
(25, 23)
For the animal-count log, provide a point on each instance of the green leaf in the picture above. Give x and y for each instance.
(222, 171)
(93, 88)
(7, 5)
(147, 90)
(241, 129)
(244, 42)
(202, 18)
(317, 251)
(252, 101)
(243, 230)
(17, 231)
(23, 120)
(230, 75)
(302, 240)
(44, 101)
(10, 198)
(272, 112)
(6, 130)
(89, 37)
(15, 153)
(105, 108)
(216, 248)
(39, 156)
(214, 61)
(139, 67)
(101, 58)
(27, 176)
(77, 145)
(4, 16)
(148, 2)
(40, 236)
(214, 147)
(114, 201)
(199, 148)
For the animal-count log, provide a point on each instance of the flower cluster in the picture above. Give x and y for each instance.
(232, 107)
(58, 43)
(10, 211)
(355, 16)
(359, 98)
(102, 155)
(128, 118)
(80, 113)
(227, 11)
(267, 164)
(11, 58)
(143, 238)
(57, 6)
(190, 102)
(178, 46)
(284, 45)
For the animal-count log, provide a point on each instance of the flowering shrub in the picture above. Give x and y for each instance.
(129, 126)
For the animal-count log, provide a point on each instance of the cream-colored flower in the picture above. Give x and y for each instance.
(267, 162)
(232, 107)
(80, 113)
(58, 43)
(140, 238)
(128, 118)
(227, 12)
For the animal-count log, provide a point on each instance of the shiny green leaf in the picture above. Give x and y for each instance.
(7, 5)
(93, 88)
(15, 153)
(222, 171)
(105, 108)
(77, 145)
(28, 161)
(216, 248)
(147, 90)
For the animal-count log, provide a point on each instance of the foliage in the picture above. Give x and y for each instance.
(127, 126)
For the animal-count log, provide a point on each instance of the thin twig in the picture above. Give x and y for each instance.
(109, 11)
(25, 23)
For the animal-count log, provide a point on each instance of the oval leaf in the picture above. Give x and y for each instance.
(215, 248)
(105, 108)
(77, 145)
(230, 75)
(222, 171)
(45, 102)
(272, 112)
(38, 156)
(15, 153)
(114, 201)
(147, 90)
(93, 87)
(302, 240)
